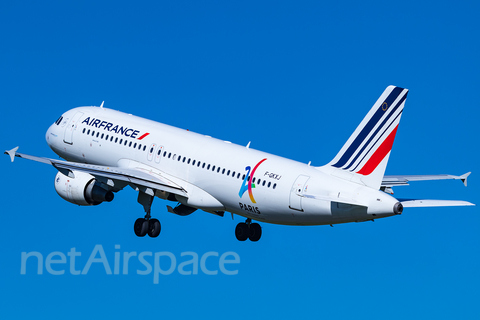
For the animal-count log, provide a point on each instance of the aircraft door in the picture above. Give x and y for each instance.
(296, 194)
(72, 125)
(151, 151)
(158, 154)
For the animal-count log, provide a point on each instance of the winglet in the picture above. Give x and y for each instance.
(11, 153)
(464, 177)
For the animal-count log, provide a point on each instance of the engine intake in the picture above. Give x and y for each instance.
(81, 190)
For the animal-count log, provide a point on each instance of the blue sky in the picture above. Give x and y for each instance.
(295, 78)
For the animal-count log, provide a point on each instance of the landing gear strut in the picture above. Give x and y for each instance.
(248, 230)
(144, 226)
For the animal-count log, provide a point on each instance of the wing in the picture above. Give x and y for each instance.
(135, 177)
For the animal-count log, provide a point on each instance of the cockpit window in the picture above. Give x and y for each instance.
(59, 120)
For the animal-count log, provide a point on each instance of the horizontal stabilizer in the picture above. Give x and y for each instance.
(402, 180)
(412, 203)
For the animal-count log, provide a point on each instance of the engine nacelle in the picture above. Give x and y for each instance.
(81, 190)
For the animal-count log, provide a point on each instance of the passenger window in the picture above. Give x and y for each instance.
(259, 181)
(130, 144)
(193, 163)
(218, 170)
(274, 185)
(164, 154)
(263, 183)
(188, 162)
(269, 184)
(159, 152)
(102, 136)
(169, 155)
(93, 133)
(253, 180)
(121, 140)
(223, 171)
(238, 175)
(111, 138)
(208, 167)
(233, 174)
(243, 177)
(184, 159)
(144, 148)
(139, 146)
(125, 143)
(98, 133)
(83, 130)
(88, 132)
(134, 145)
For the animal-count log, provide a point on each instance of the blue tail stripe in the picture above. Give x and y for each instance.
(370, 125)
(386, 129)
(376, 131)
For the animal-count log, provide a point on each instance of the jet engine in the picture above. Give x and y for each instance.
(82, 190)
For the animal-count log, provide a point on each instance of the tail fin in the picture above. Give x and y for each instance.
(364, 156)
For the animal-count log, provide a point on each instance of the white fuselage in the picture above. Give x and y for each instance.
(216, 172)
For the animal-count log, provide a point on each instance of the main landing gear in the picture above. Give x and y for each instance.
(248, 230)
(144, 226)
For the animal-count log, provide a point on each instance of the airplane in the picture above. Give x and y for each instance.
(106, 150)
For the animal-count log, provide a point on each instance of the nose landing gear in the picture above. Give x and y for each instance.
(248, 230)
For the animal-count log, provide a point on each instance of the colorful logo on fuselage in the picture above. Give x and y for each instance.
(247, 182)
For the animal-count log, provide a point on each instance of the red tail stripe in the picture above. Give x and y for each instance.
(143, 136)
(379, 154)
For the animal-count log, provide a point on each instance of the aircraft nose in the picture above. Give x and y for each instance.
(47, 135)
(51, 134)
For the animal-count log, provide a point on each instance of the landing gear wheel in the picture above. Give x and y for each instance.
(154, 228)
(241, 231)
(255, 232)
(140, 227)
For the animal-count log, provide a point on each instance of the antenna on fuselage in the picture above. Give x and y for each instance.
(248, 145)
(101, 106)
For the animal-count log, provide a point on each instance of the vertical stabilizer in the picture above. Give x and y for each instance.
(364, 156)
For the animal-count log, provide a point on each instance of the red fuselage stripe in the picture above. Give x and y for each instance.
(143, 136)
